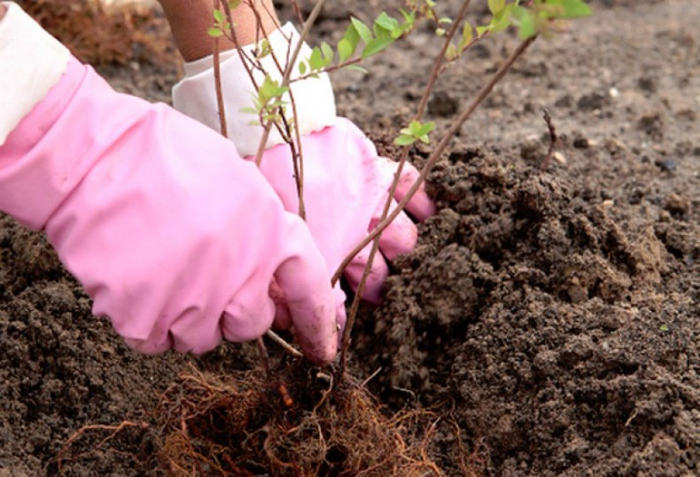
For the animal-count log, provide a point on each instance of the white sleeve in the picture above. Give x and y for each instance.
(31, 63)
(195, 94)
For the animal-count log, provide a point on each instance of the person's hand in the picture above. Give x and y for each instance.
(174, 237)
(346, 182)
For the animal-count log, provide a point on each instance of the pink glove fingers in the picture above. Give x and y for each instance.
(420, 206)
(399, 237)
(375, 280)
(309, 308)
(283, 317)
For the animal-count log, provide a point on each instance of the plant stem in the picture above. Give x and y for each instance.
(217, 83)
(434, 74)
(552, 140)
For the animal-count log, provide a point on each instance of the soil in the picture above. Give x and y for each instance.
(551, 318)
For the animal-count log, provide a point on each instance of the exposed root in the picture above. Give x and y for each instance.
(241, 425)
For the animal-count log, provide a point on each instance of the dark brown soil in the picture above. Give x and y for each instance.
(551, 318)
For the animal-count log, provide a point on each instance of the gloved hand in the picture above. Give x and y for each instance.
(346, 182)
(174, 237)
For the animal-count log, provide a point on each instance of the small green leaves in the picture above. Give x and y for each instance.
(467, 37)
(543, 15)
(362, 30)
(320, 58)
(416, 131)
(263, 49)
(385, 31)
(496, 6)
(376, 45)
(269, 103)
(385, 23)
(540, 16)
(220, 24)
(574, 8)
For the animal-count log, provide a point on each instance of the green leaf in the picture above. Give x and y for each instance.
(404, 140)
(270, 89)
(502, 19)
(576, 9)
(440, 31)
(215, 32)
(352, 37)
(528, 27)
(362, 30)
(376, 45)
(249, 110)
(467, 36)
(385, 22)
(264, 49)
(316, 61)
(480, 30)
(328, 53)
(345, 50)
(418, 129)
(302, 68)
(233, 4)
(357, 68)
(451, 52)
(496, 6)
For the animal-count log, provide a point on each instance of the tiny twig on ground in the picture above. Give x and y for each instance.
(280, 341)
(553, 138)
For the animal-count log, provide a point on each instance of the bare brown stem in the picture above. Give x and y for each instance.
(552, 140)
(217, 83)
(437, 65)
(434, 74)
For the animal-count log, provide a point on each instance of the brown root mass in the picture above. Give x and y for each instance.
(241, 425)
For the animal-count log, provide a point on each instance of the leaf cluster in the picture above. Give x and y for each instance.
(534, 19)
(416, 131)
(269, 103)
(384, 31)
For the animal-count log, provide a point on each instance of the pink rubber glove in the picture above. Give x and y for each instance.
(346, 183)
(175, 238)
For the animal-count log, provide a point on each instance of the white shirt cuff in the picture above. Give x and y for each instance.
(31, 63)
(195, 94)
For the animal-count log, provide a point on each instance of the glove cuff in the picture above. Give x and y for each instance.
(32, 63)
(195, 94)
